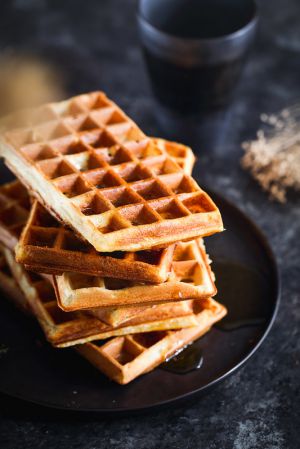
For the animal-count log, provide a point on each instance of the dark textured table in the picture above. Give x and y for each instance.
(94, 43)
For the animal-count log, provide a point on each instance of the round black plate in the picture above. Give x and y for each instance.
(247, 281)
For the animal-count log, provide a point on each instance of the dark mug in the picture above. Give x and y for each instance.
(195, 49)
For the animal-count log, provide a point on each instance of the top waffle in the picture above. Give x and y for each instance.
(93, 168)
(48, 247)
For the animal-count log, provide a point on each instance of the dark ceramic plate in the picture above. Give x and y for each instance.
(247, 281)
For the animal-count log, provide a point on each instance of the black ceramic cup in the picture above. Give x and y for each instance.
(195, 49)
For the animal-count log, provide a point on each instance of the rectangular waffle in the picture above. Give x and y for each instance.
(95, 170)
(46, 246)
(9, 286)
(125, 358)
(190, 278)
(116, 316)
(14, 212)
(67, 329)
(180, 153)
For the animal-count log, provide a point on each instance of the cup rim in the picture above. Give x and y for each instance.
(208, 40)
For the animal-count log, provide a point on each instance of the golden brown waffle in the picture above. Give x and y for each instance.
(182, 154)
(120, 315)
(125, 358)
(94, 169)
(46, 246)
(67, 329)
(190, 278)
(9, 285)
(14, 211)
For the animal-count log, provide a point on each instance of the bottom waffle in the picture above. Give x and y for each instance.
(123, 359)
(66, 329)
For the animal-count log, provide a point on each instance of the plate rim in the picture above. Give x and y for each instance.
(264, 241)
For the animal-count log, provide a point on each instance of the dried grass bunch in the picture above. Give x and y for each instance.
(274, 157)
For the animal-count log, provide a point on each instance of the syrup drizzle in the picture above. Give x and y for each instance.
(185, 361)
(243, 291)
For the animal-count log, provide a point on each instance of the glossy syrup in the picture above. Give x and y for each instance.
(185, 361)
(243, 291)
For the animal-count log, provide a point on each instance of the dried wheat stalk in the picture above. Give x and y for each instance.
(274, 157)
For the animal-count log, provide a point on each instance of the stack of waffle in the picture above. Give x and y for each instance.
(102, 235)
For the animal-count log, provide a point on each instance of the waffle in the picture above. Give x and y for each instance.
(95, 170)
(67, 329)
(116, 316)
(46, 246)
(14, 211)
(125, 358)
(181, 154)
(190, 278)
(9, 286)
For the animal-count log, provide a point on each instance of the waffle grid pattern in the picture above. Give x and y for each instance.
(67, 329)
(14, 211)
(125, 358)
(190, 278)
(9, 286)
(181, 154)
(47, 246)
(117, 179)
